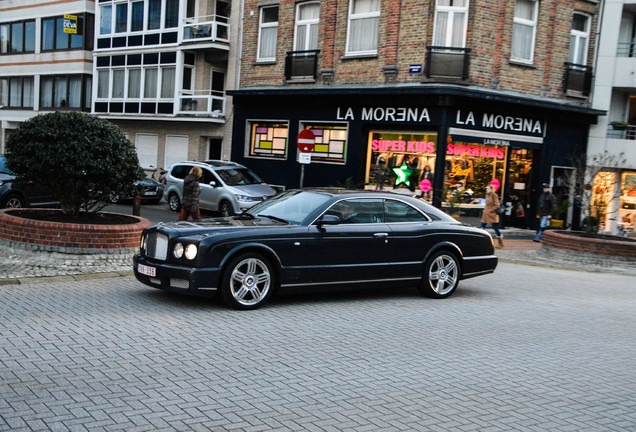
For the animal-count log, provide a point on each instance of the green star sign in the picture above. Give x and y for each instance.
(403, 173)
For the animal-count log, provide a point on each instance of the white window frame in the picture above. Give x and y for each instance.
(528, 23)
(580, 36)
(351, 17)
(262, 26)
(451, 11)
(307, 24)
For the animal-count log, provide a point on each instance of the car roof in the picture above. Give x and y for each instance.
(211, 163)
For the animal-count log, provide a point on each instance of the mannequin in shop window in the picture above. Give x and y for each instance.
(427, 174)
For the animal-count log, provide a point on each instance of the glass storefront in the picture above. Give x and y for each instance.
(627, 202)
(402, 162)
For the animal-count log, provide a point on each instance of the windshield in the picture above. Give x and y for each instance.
(238, 176)
(292, 206)
(3, 166)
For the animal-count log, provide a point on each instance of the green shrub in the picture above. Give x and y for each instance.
(79, 158)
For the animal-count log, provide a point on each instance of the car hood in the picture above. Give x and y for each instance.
(253, 190)
(222, 225)
(4, 177)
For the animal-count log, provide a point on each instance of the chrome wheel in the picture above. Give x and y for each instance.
(226, 209)
(13, 201)
(173, 202)
(248, 282)
(442, 275)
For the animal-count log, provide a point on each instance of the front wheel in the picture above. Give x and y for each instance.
(248, 282)
(441, 275)
(225, 208)
(173, 202)
(13, 201)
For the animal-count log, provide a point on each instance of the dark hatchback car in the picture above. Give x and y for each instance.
(14, 194)
(314, 238)
(150, 190)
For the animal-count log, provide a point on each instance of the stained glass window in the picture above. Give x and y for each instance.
(269, 139)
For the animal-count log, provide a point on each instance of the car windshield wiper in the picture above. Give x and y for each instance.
(244, 215)
(276, 218)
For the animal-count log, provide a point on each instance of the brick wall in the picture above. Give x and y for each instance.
(71, 238)
(406, 28)
(560, 240)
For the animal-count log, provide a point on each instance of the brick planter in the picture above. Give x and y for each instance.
(598, 246)
(70, 237)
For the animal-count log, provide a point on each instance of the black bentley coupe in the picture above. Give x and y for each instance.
(314, 238)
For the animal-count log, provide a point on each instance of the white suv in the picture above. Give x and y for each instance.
(226, 187)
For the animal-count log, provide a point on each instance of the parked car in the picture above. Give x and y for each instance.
(150, 190)
(226, 187)
(313, 238)
(14, 194)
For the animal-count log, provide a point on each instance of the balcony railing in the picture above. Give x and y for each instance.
(201, 102)
(626, 132)
(626, 49)
(213, 28)
(578, 79)
(301, 65)
(447, 63)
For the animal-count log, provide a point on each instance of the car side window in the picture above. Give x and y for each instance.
(357, 211)
(398, 211)
(181, 171)
(208, 177)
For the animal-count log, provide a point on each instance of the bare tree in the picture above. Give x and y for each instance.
(595, 184)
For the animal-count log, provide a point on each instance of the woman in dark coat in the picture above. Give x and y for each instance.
(191, 192)
(490, 216)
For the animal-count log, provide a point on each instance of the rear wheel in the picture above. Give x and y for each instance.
(226, 209)
(13, 200)
(441, 275)
(174, 202)
(248, 281)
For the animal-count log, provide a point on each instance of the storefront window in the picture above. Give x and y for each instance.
(470, 167)
(627, 209)
(331, 142)
(268, 139)
(402, 161)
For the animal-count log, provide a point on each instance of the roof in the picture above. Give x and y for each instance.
(471, 92)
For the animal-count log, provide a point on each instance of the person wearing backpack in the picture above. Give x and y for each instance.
(491, 215)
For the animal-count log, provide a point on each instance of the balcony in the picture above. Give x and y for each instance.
(209, 28)
(578, 80)
(622, 132)
(201, 103)
(447, 64)
(301, 66)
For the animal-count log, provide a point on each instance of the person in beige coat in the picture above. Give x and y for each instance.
(490, 216)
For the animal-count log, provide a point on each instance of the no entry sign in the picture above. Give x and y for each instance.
(306, 141)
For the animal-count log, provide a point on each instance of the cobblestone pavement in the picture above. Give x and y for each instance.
(527, 349)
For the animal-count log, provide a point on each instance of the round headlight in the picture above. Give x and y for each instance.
(178, 250)
(191, 251)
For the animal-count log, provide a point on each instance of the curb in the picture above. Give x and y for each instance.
(62, 278)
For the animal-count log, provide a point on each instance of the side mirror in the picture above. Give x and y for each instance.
(213, 183)
(328, 220)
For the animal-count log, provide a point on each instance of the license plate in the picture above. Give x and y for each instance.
(147, 270)
(150, 193)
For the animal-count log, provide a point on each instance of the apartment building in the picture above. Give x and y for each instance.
(431, 98)
(614, 189)
(46, 60)
(161, 68)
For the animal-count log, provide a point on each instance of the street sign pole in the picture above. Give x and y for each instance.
(306, 142)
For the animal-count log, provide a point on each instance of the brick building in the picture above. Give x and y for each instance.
(435, 98)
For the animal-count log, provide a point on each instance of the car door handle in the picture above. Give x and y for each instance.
(380, 235)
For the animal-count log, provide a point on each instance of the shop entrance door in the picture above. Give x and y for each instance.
(517, 194)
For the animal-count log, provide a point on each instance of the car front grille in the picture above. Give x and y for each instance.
(157, 246)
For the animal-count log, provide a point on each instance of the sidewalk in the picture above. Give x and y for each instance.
(25, 266)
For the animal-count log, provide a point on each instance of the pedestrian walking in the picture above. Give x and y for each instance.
(191, 192)
(547, 202)
(490, 215)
